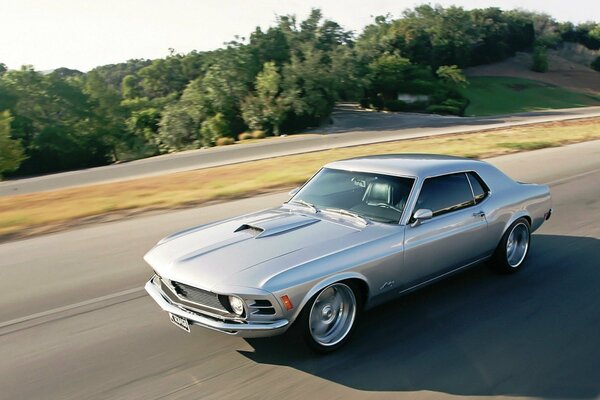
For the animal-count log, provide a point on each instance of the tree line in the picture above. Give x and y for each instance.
(279, 80)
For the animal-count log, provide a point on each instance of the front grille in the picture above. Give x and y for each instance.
(198, 296)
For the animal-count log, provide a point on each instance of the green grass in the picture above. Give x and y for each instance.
(504, 95)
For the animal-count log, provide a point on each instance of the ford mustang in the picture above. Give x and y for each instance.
(358, 233)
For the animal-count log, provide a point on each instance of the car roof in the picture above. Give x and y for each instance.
(419, 165)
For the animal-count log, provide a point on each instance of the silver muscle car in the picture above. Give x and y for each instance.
(358, 233)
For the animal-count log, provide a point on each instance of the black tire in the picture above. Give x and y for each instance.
(507, 261)
(303, 323)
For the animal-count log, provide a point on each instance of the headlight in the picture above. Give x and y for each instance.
(237, 305)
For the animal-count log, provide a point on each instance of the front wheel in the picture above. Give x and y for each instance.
(513, 247)
(328, 320)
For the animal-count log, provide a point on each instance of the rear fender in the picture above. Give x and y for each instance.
(516, 216)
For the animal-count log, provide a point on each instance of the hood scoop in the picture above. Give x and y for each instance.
(275, 225)
(253, 230)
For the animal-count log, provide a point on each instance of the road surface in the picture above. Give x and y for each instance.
(75, 324)
(351, 127)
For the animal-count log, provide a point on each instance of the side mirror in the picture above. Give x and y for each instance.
(422, 214)
(294, 191)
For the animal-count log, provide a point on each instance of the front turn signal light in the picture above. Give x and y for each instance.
(287, 303)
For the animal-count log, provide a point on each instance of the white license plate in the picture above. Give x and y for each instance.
(180, 322)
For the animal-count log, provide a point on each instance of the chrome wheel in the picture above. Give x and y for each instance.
(332, 314)
(517, 245)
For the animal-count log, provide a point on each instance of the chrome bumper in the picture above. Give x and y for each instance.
(248, 329)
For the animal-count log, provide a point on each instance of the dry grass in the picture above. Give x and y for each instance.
(28, 214)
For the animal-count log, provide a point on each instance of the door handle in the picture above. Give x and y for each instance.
(480, 214)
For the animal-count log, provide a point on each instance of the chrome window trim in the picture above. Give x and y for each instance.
(471, 186)
(488, 192)
(408, 198)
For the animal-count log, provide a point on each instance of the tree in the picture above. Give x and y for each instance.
(547, 33)
(595, 65)
(267, 108)
(163, 76)
(285, 78)
(451, 75)
(592, 41)
(214, 128)
(11, 151)
(108, 113)
(142, 123)
(308, 88)
(387, 74)
(66, 72)
(130, 87)
(55, 122)
(178, 129)
(540, 59)
(268, 46)
(113, 74)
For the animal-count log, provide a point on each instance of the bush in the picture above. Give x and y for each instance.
(452, 103)
(394, 105)
(377, 103)
(364, 103)
(443, 109)
(224, 141)
(540, 59)
(460, 104)
(214, 128)
(596, 64)
(258, 134)
(245, 136)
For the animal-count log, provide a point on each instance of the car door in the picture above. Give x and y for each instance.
(455, 236)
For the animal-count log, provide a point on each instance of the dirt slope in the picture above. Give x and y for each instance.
(567, 68)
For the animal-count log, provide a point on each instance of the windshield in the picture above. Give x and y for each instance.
(377, 197)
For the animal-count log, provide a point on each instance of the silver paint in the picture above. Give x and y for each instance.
(292, 250)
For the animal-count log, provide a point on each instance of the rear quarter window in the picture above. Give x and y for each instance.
(480, 189)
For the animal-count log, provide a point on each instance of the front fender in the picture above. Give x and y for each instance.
(324, 283)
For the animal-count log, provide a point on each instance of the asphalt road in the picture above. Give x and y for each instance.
(74, 323)
(350, 127)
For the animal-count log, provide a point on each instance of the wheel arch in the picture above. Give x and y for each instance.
(516, 216)
(352, 278)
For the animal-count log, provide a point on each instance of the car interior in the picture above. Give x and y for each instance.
(378, 197)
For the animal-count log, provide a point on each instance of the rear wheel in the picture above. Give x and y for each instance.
(329, 318)
(514, 247)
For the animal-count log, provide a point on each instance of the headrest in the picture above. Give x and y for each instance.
(378, 192)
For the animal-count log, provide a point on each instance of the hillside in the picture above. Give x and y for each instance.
(568, 68)
(492, 95)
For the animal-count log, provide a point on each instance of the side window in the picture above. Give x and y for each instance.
(446, 193)
(480, 189)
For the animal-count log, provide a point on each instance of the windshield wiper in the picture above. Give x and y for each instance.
(306, 204)
(341, 211)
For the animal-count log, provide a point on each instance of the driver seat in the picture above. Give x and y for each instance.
(378, 192)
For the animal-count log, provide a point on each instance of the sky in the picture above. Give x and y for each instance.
(83, 34)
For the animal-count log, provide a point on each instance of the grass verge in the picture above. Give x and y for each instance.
(491, 95)
(29, 214)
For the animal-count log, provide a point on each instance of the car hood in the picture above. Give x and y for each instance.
(213, 255)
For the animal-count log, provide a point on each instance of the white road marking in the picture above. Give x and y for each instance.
(70, 307)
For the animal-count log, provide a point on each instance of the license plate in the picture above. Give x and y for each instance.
(180, 322)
